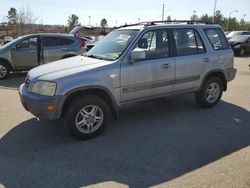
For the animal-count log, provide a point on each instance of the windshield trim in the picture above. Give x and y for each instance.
(88, 54)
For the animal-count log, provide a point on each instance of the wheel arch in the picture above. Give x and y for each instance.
(7, 62)
(217, 73)
(101, 92)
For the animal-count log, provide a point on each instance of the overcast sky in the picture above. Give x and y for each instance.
(119, 12)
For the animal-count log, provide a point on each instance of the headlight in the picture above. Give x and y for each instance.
(237, 46)
(44, 88)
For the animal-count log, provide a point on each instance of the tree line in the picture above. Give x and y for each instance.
(24, 21)
(228, 23)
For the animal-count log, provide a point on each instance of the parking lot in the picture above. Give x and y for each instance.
(168, 142)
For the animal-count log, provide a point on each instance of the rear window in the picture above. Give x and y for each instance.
(57, 41)
(217, 38)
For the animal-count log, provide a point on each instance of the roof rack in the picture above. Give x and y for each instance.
(149, 23)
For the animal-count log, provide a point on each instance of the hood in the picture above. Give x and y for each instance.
(76, 29)
(65, 67)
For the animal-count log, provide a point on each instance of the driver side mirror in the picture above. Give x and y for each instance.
(137, 56)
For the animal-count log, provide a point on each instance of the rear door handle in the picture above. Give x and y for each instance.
(165, 66)
(64, 49)
(32, 52)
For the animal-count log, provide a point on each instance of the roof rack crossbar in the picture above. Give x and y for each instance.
(149, 23)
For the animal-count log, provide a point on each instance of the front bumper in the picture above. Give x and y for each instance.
(230, 74)
(38, 104)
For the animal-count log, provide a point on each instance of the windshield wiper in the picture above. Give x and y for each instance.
(94, 56)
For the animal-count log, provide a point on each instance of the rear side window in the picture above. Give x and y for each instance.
(56, 41)
(187, 42)
(217, 38)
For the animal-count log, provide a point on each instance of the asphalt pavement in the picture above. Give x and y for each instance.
(168, 142)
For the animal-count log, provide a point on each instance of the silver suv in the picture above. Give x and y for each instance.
(130, 64)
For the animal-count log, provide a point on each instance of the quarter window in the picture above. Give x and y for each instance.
(217, 38)
(188, 42)
(155, 44)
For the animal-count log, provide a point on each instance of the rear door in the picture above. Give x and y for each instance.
(55, 48)
(24, 54)
(190, 59)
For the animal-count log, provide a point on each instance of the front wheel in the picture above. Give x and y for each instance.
(210, 93)
(86, 117)
(4, 70)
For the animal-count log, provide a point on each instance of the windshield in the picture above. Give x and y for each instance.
(113, 45)
(11, 42)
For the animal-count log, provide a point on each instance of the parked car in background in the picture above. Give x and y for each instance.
(7, 40)
(32, 50)
(240, 44)
(236, 33)
(90, 43)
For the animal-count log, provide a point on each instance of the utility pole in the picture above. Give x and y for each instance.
(163, 11)
(215, 3)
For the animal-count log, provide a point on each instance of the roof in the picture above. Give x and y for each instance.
(174, 23)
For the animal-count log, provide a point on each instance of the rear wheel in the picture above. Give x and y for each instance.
(210, 93)
(86, 117)
(4, 70)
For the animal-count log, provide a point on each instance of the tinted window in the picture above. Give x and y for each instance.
(187, 42)
(57, 41)
(28, 43)
(217, 39)
(155, 44)
(67, 41)
(245, 33)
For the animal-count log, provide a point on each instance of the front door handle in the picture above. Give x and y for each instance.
(32, 52)
(206, 60)
(165, 66)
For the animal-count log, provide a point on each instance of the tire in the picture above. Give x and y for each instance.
(4, 70)
(242, 52)
(90, 124)
(210, 93)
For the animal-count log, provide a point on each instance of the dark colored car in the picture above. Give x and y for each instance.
(240, 44)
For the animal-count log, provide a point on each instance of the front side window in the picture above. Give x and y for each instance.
(155, 44)
(187, 42)
(217, 38)
(113, 45)
(28, 43)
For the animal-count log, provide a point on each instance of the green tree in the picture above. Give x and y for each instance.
(73, 21)
(207, 19)
(218, 17)
(104, 23)
(169, 18)
(194, 16)
(13, 19)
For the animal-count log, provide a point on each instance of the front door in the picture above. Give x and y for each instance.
(24, 53)
(152, 76)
